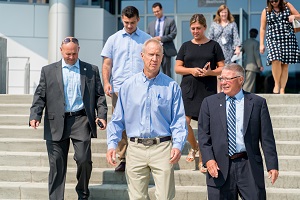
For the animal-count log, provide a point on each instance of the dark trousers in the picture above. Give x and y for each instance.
(77, 129)
(166, 65)
(240, 181)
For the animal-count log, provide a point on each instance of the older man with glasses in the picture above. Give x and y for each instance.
(72, 95)
(233, 125)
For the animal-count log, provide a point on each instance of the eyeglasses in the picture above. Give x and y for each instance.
(274, 1)
(70, 39)
(221, 79)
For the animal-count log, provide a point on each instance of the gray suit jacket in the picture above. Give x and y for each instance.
(49, 94)
(257, 128)
(252, 56)
(169, 34)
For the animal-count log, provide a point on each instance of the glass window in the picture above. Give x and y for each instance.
(96, 2)
(168, 6)
(139, 4)
(193, 7)
(235, 5)
(81, 2)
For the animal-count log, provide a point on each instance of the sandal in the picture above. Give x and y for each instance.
(191, 155)
(202, 169)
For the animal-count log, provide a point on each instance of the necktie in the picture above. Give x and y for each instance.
(231, 121)
(158, 28)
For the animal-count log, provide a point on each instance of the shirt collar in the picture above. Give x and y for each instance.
(137, 32)
(161, 19)
(144, 77)
(64, 64)
(238, 96)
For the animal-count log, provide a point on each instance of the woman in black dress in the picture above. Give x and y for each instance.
(199, 60)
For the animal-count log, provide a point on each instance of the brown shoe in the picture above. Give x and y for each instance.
(121, 167)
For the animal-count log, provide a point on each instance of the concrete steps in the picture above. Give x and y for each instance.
(289, 148)
(24, 163)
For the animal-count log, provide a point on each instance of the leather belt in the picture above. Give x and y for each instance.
(76, 113)
(239, 155)
(150, 141)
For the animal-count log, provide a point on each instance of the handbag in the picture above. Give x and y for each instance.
(296, 26)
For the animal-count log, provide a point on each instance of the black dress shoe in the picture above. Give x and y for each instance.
(121, 167)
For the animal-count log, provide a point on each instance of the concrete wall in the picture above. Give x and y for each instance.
(25, 26)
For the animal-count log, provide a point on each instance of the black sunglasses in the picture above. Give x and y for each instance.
(274, 1)
(70, 39)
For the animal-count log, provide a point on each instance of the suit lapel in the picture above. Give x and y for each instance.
(83, 70)
(165, 24)
(222, 113)
(58, 68)
(248, 105)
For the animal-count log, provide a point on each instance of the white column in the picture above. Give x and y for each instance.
(61, 25)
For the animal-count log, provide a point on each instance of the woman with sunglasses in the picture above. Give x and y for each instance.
(281, 41)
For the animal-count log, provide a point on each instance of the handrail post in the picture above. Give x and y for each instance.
(27, 77)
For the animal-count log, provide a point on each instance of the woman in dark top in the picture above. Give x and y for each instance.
(199, 61)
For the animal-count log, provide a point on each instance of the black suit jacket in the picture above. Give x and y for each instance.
(169, 34)
(257, 128)
(49, 94)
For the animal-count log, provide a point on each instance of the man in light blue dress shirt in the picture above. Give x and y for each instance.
(121, 60)
(71, 95)
(150, 106)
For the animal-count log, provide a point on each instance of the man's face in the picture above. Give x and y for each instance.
(130, 24)
(152, 57)
(69, 52)
(158, 13)
(231, 83)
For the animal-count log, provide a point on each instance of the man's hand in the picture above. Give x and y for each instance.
(273, 175)
(107, 89)
(111, 157)
(103, 123)
(212, 168)
(175, 155)
(34, 123)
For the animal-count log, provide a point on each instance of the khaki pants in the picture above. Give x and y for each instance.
(141, 161)
(122, 145)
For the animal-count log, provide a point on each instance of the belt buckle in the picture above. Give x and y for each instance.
(147, 142)
(70, 114)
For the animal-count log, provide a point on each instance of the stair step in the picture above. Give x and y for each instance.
(19, 120)
(16, 98)
(33, 159)
(288, 148)
(25, 190)
(24, 131)
(24, 109)
(109, 176)
(281, 98)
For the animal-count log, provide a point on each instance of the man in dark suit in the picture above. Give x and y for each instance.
(71, 92)
(164, 30)
(252, 61)
(231, 126)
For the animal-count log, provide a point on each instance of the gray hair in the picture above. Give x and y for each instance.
(152, 40)
(238, 69)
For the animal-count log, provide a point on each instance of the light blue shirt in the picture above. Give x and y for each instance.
(72, 84)
(125, 51)
(161, 25)
(148, 109)
(239, 102)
